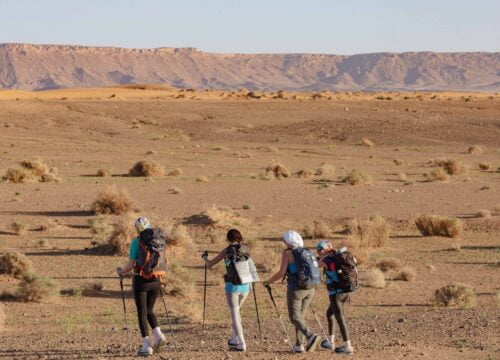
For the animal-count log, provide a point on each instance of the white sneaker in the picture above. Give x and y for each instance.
(344, 350)
(312, 342)
(298, 349)
(159, 343)
(145, 352)
(233, 342)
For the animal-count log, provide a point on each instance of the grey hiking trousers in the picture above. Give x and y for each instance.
(234, 301)
(298, 301)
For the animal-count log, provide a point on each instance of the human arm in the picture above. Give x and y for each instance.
(285, 260)
(126, 268)
(215, 260)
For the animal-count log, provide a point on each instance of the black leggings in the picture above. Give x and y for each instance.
(336, 309)
(145, 294)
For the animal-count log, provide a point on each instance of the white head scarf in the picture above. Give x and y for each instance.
(293, 238)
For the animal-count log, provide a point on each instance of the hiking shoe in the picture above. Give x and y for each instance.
(325, 344)
(160, 344)
(239, 348)
(344, 350)
(145, 352)
(297, 349)
(312, 342)
(233, 342)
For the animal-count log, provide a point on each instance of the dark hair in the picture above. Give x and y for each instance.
(234, 235)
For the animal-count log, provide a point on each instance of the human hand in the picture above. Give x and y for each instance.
(119, 271)
(204, 256)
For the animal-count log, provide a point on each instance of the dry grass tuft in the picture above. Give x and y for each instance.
(451, 166)
(356, 177)
(146, 168)
(279, 171)
(95, 286)
(318, 230)
(202, 179)
(325, 169)
(430, 267)
(103, 173)
(483, 214)
(435, 225)
(180, 282)
(120, 238)
(367, 142)
(485, 166)
(15, 264)
(50, 177)
(455, 295)
(407, 274)
(177, 235)
(371, 233)
(112, 201)
(34, 287)
(267, 260)
(476, 149)
(175, 172)
(151, 153)
(304, 173)
(375, 279)
(19, 176)
(100, 229)
(225, 216)
(18, 227)
(174, 190)
(37, 166)
(437, 175)
(398, 162)
(388, 264)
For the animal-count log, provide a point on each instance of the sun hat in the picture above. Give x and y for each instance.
(293, 238)
(322, 245)
(142, 224)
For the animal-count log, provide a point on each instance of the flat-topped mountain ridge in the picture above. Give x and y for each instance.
(44, 67)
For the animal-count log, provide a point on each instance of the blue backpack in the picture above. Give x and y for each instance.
(308, 275)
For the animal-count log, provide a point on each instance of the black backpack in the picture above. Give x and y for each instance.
(235, 253)
(347, 271)
(151, 248)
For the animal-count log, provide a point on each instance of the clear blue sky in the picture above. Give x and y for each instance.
(257, 26)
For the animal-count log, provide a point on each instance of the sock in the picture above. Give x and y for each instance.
(331, 339)
(158, 333)
(146, 344)
(348, 343)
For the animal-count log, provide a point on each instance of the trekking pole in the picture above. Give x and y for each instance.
(268, 287)
(319, 322)
(125, 312)
(257, 312)
(168, 319)
(205, 255)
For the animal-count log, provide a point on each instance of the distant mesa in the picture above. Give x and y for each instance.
(47, 67)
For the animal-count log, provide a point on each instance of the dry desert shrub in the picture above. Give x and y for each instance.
(279, 171)
(100, 228)
(175, 172)
(398, 162)
(437, 175)
(37, 166)
(388, 264)
(151, 153)
(267, 259)
(202, 179)
(304, 173)
(319, 229)
(455, 295)
(325, 169)
(435, 225)
(225, 216)
(19, 176)
(375, 279)
(95, 286)
(112, 201)
(367, 142)
(18, 227)
(15, 264)
(146, 168)
(119, 240)
(356, 177)
(174, 190)
(180, 282)
(371, 233)
(407, 274)
(50, 177)
(103, 173)
(177, 235)
(485, 166)
(34, 287)
(451, 166)
(483, 214)
(476, 149)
